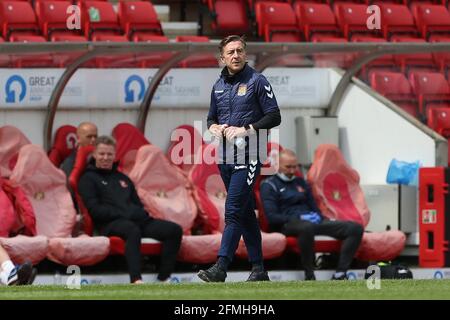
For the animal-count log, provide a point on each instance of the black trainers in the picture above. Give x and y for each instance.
(342, 277)
(213, 274)
(32, 276)
(258, 276)
(21, 274)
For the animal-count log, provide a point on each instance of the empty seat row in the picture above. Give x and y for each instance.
(419, 94)
(51, 20)
(278, 21)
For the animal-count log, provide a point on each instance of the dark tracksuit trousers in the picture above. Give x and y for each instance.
(167, 232)
(349, 232)
(240, 218)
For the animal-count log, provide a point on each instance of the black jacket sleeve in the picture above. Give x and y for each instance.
(270, 204)
(268, 121)
(99, 212)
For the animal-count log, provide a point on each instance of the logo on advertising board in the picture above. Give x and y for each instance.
(130, 94)
(11, 89)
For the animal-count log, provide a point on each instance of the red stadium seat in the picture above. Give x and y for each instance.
(31, 60)
(17, 18)
(438, 119)
(327, 60)
(126, 60)
(397, 19)
(204, 60)
(442, 59)
(432, 90)
(138, 18)
(432, 19)
(151, 59)
(229, 16)
(277, 22)
(315, 18)
(395, 87)
(99, 18)
(352, 19)
(411, 62)
(52, 17)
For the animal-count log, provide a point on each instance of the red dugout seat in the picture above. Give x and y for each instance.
(64, 144)
(46, 189)
(277, 22)
(336, 189)
(185, 148)
(11, 140)
(129, 139)
(210, 194)
(117, 245)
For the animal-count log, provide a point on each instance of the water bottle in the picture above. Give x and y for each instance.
(240, 142)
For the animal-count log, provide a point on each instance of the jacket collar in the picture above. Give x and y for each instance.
(227, 77)
(91, 167)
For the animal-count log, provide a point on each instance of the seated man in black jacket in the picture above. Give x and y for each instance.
(116, 210)
(290, 209)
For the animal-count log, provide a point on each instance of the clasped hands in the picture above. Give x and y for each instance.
(220, 130)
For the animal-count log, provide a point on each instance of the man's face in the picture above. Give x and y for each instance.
(233, 56)
(104, 156)
(288, 165)
(87, 134)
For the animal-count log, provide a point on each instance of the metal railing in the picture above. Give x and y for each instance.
(269, 54)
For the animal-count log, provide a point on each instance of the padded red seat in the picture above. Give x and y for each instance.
(46, 188)
(117, 245)
(185, 148)
(336, 189)
(129, 139)
(210, 194)
(11, 140)
(64, 143)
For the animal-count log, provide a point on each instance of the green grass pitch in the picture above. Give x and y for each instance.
(351, 290)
